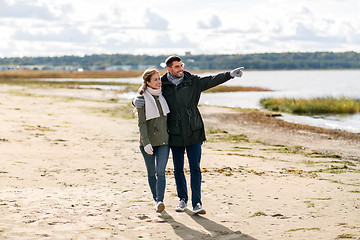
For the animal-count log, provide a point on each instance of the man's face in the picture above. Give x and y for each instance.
(177, 69)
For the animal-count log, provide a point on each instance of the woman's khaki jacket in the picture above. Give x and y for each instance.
(153, 131)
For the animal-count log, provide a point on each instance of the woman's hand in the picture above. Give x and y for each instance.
(148, 149)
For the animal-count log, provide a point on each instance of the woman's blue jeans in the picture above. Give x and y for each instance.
(194, 157)
(155, 165)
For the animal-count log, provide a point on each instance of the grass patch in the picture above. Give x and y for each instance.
(241, 148)
(323, 199)
(215, 131)
(229, 171)
(300, 173)
(218, 135)
(326, 105)
(245, 155)
(345, 236)
(355, 191)
(257, 214)
(320, 155)
(336, 169)
(304, 229)
(38, 128)
(285, 149)
(300, 150)
(348, 163)
(309, 204)
(139, 200)
(308, 162)
(278, 145)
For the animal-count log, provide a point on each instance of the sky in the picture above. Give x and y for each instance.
(157, 27)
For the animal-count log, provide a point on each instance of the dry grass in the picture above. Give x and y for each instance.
(25, 74)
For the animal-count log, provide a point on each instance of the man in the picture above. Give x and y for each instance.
(182, 91)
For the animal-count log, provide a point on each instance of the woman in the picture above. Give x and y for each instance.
(154, 137)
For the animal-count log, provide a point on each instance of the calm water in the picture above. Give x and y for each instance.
(291, 84)
(296, 84)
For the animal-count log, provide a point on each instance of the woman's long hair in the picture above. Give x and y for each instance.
(148, 73)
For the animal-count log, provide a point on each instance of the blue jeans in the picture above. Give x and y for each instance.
(155, 165)
(194, 157)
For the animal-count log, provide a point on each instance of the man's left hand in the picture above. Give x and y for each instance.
(237, 72)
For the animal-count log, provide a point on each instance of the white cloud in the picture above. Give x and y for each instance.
(213, 22)
(64, 35)
(155, 21)
(23, 9)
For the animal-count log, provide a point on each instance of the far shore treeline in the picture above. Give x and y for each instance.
(259, 61)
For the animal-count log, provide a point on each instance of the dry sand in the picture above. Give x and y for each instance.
(70, 168)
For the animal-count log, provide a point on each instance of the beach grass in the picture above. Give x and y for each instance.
(325, 105)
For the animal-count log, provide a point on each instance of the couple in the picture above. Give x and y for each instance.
(168, 117)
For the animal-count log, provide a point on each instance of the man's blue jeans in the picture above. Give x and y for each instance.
(155, 165)
(194, 157)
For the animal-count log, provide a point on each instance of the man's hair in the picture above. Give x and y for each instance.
(172, 59)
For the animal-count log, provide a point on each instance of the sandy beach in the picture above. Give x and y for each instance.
(70, 168)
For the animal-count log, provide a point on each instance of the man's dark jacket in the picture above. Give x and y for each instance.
(185, 125)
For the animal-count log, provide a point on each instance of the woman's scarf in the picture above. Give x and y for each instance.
(151, 110)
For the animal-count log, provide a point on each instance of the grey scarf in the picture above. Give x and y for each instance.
(174, 80)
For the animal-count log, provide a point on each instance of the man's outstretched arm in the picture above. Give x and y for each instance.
(212, 81)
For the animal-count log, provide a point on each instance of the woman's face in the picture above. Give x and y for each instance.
(155, 81)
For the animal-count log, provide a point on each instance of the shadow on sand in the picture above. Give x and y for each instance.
(214, 230)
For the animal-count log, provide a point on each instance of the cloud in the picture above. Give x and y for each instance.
(160, 43)
(24, 10)
(304, 33)
(213, 22)
(250, 29)
(155, 21)
(162, 40)
(70, 34)
(305, 11)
